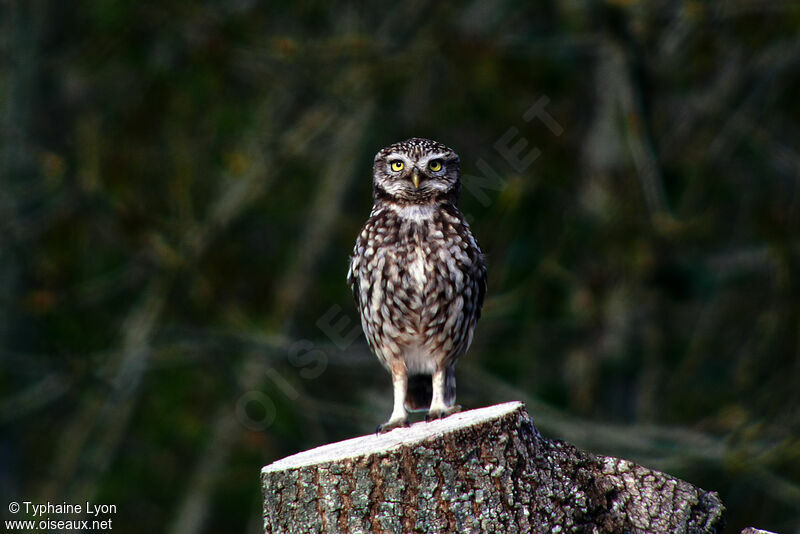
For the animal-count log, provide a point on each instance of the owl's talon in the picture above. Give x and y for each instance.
(441, 414)
(391, 425)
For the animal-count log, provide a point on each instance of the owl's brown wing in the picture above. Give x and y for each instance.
(477, 270)
(352, 276)
(482, 283)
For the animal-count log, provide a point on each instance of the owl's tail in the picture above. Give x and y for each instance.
(420, 391)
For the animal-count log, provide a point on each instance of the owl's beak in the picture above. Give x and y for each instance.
(415, 178)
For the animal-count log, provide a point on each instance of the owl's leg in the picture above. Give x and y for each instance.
(444, 393)
(399, 416)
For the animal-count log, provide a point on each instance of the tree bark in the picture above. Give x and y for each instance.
(485, 470)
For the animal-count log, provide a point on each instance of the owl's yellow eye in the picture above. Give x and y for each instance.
(397, 165)
(435, 165)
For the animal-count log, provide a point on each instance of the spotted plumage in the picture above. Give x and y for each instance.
(418, 275)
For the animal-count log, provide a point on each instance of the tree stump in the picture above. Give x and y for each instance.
(485, 470)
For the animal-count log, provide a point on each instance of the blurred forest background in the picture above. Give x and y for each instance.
(182, 183)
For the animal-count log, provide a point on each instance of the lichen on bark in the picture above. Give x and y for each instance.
(486, 470)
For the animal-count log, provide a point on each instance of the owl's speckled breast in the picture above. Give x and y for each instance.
(418, 270)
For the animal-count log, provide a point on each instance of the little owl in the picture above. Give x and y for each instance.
(418, 276)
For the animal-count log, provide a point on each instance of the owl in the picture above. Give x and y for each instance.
(418, 276)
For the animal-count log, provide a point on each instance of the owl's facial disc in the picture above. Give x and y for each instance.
(416, 171)
(426, 167)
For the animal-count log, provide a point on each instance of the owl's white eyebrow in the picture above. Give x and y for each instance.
(428, 157)
(435, 155)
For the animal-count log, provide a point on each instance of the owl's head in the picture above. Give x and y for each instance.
(416, 171)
